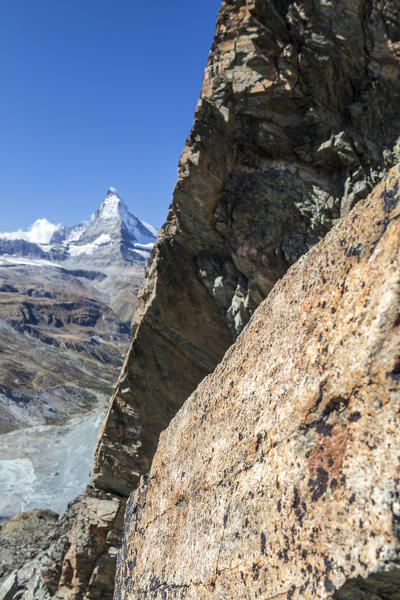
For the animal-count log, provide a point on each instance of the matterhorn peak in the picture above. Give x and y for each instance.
(114, 222)
(112, 192)
(112, 233)
(112, 206)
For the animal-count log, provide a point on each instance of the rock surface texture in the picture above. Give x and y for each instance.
(279, 477)
(298, 119)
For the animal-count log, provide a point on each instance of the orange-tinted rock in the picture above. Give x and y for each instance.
(279, 477)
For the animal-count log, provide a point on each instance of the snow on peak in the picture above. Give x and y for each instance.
(112, 191)
(113, 209)
(153, 230)
(40, 232)
(112, 227)
(111, 205)
(76, 250)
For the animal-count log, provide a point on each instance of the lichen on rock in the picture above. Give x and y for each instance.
(279, 476)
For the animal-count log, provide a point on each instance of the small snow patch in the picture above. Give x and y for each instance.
(102, 240)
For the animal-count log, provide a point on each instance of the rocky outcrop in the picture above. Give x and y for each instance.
(299, 101)
(298, 118)
(32, 545)
(279, 477)
(23, 536)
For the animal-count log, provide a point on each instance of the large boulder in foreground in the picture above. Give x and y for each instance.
(279, 477)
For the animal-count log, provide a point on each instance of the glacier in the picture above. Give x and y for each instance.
(47, 466)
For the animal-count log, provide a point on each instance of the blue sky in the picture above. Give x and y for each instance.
(96, 93)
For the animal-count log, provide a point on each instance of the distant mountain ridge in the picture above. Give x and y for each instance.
(112, 233)
(67, 296)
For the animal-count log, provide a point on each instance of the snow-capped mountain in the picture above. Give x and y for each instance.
(67, 296)
(113, 233)
(112, 230)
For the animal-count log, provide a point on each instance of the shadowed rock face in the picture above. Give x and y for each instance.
(279, 476)
(298, 119)
(379, 586)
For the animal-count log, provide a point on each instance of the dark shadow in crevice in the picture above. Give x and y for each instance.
(378, 586)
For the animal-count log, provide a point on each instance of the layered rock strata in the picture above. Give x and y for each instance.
(265, 173)
(279, 477)
(298, 119)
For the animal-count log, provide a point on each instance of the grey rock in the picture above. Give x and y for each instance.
(9, 587)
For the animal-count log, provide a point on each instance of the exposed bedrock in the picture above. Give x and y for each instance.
(298, 119)
(279, 476)
(300, 103)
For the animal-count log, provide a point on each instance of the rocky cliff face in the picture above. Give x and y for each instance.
(279, 477)
(298, 119)
(32, 546)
